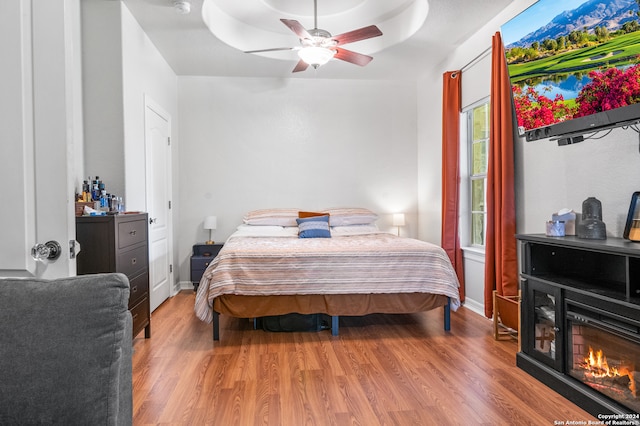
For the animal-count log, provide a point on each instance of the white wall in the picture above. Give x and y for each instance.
(145, 73)
(258, 143)
(102, 93)
(548, 177)
(429, 145)
(121, 67)
(551, 177)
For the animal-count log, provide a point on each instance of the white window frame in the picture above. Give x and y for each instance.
(467, 178)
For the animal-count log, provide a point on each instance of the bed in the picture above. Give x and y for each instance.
(268, 266)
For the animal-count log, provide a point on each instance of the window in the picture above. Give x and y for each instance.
(478, 145)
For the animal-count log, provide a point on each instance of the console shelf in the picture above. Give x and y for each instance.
(609, 267)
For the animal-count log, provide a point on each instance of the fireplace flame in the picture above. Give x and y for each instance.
(597, 368)
(596, 364)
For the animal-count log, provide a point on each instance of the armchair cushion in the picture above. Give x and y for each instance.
(65, 351)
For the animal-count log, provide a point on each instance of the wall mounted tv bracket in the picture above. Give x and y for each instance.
(570, 138)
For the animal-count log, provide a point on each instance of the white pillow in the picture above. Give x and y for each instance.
(265, 231)
(272, 217)
(343, 216)
(347, 230)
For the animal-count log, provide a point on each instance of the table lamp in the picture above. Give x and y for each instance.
(398, 221)
(210, 223)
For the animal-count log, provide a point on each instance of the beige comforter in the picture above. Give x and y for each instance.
(377, 263)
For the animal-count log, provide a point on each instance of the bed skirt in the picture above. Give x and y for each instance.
(334, 305)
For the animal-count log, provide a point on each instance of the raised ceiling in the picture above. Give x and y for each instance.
(409, 45)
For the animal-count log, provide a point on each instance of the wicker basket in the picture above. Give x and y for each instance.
(506, 316)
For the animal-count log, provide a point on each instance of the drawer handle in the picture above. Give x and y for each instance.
(132, 233)
(134, 289)
(206, 264)
(134, 261)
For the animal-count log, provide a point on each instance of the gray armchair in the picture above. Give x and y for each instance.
(65, 351)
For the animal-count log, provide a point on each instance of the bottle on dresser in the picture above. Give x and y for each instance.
(94, 190)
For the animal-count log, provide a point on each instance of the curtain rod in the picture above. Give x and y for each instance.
(476, 59)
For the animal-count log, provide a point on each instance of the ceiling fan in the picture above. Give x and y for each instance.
(318, 46)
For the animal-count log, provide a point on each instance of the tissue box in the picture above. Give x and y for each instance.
(80, 207)
(569, 219)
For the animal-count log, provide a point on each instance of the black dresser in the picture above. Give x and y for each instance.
(118, 243)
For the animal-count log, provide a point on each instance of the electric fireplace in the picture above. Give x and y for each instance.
(580, 321)
(604, 353)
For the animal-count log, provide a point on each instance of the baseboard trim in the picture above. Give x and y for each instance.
(186, 285)
(474, 306)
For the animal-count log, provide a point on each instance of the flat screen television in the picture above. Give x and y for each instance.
(574, 67)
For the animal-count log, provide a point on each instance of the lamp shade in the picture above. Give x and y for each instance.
(210, 222)
(398, 219)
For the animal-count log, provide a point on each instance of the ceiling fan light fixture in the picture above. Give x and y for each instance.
(316, 55)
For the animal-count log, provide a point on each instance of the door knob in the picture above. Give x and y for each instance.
(152, 220)
(50, 250)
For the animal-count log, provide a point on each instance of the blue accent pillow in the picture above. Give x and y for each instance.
(314, 227)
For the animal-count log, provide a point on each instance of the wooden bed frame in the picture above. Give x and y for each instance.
(333, 305)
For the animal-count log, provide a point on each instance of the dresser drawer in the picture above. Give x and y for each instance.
(139, 287)
(132, 262)
(198, 265)
(131, 232)
(207, 250)
(140, 316)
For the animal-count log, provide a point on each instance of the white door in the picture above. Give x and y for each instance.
(37, 119)
(158, 188)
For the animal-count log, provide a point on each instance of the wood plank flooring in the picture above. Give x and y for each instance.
(380, 370)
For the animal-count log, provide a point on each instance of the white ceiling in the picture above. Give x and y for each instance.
(190, 47)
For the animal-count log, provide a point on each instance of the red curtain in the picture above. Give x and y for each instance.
(451, 104)
(501, 257)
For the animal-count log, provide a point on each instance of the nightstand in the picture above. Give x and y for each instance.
(202, 256)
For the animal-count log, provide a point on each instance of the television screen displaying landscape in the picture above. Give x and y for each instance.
(573, 58)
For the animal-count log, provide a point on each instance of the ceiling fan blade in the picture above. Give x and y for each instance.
(300, 66)
(357, 35)
(353, 57)
(297, 28)
(274, 49)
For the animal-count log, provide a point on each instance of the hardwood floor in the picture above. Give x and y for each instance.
(382, 369)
